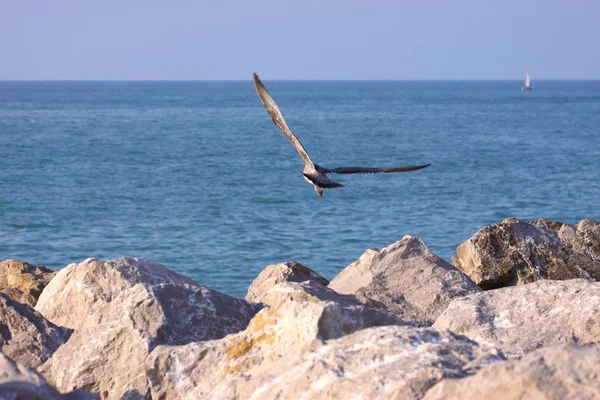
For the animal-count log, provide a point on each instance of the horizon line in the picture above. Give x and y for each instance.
(293, 80)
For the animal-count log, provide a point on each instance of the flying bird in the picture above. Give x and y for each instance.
(313, 173)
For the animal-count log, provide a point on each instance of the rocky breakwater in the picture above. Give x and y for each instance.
(314, 343)
(398, 323)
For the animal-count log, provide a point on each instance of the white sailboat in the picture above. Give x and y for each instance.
(526, 86)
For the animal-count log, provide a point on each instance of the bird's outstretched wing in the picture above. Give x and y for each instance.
(362, 170)
(273, 110)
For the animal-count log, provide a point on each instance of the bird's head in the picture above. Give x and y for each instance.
(319, 191)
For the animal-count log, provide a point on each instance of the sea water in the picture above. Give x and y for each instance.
(194, 175)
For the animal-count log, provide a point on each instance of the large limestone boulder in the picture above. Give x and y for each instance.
(315, 292)
(20, 383)
(281, 283)
(389, 362)
(26, 336)
(287, 331)
(129, 313)
(79, 290)
(260, 291)
(22, 281)
(520, 319)
(376, 363)
(554, 373)
(405, 279)
(583, 237)
(292, 282)
(515, 252)
(107, 353)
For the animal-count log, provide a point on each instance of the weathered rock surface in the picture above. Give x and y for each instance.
(583, 237)
(20, 383)
(405, 279)
(288, 331)
(557, 373)
(520, 319)
(26, 336)
(22, 281)
(515, 252)
(79, 290)
(282, 283)
(291, 271)
(389, 362)
(280, 287)
(107, 350)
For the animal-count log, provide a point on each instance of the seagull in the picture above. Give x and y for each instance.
(313, 173)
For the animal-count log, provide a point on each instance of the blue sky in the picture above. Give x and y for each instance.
(308, 39)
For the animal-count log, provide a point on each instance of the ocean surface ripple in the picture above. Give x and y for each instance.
(194, 175)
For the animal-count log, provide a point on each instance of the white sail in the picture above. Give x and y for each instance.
(527, 80)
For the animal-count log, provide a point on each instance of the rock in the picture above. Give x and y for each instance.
(18, 382)
(520, 319)
(22, 281)
(389, 362)
(564, 372)
(78, 290)
(107, 351)
(583, 237)
(514, 252)
(405, 279)
(311, 291)
(286, 331)
(106, 354)
(281, 273)
(281, 283)
(26, 336)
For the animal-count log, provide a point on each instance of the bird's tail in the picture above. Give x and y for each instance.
(323, 181)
